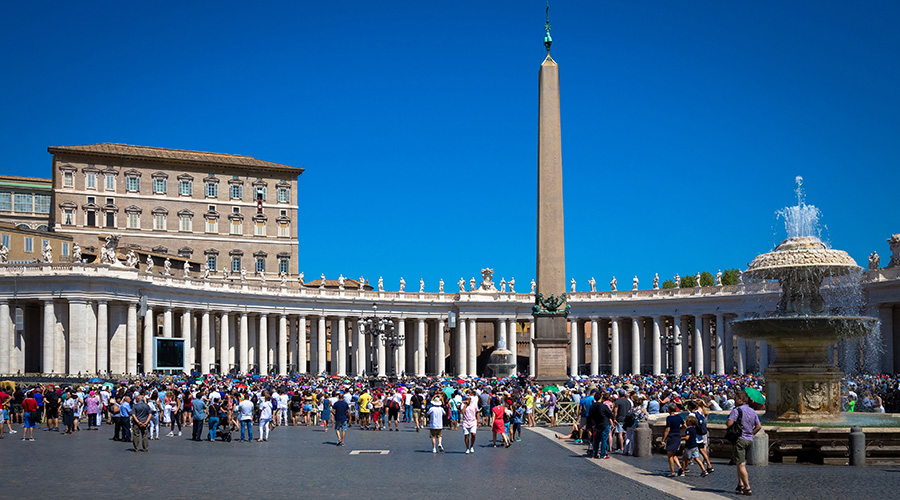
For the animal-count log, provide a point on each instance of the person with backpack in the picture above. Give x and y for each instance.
(393, 411)
(691, 450)
(636, 416)
(748, 422)
(696, 409)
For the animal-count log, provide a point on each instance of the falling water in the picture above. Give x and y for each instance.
(800, 219)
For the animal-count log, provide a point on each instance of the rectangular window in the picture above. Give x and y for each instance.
(159, 186)
(90, 180)
(23, 202)
(260, 264)
(260, 228)
(261, 193)
(29, 244)
(284, 266)
(110, 182)
(159, 222)
(185, 225)
(134, 221)
(212, 190)
(68, 179)
(92, 200)
(185, 188)
(65, 249)
(5, 240)
(284, 230)
(237, 191)
(68, 217)
(110, 219)
(91, 218)
(235, 264)
(235, 227)
(212, 226)
(211, 261)
(284, 195)
(6, 202)
(42, 203)
(133, 184)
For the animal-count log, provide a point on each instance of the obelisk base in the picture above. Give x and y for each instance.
(550, 349)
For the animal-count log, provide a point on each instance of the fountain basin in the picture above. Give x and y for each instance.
(501, 364)
(804, 329)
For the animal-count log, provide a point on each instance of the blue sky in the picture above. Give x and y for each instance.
(684, 123)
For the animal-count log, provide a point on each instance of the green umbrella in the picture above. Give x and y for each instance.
(755, 395)
(107, 384)
(449, 391)
(550, 388)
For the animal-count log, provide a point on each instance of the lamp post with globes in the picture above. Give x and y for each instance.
(381, 334)
(670, 340)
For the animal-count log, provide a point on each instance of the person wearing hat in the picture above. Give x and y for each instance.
(436, 424)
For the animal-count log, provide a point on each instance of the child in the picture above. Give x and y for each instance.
(692, 450)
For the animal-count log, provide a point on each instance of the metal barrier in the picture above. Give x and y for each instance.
(566, 413)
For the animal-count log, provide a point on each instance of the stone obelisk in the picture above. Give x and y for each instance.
(551, 308)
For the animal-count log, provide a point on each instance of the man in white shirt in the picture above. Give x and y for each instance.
(246, 410)
(436, 424)
(283, 408)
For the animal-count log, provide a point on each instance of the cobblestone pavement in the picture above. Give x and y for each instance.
(775, 481)
(304, 462)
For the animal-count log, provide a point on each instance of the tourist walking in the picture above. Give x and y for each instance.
(153, 402)
(214, 408)
(498, 426)
(469, 409)
(600, 416)
(246, 419)
(69, 408)
(691, 450)
(672, 439)
(436, 425)
(621, 408)
(265, 416)
(92, 408)
(140, 418)
(125, 417)
(341, 410)
(747, 418)
(29, 413)
(198, 414)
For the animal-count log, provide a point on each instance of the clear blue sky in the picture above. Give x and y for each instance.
(684, 123)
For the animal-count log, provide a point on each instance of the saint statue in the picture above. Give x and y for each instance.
(441, 286)
(283, 277)
(402, 284)
(47, 252)
(634, 284)
(533, 285)
(719, 278)
(380, 284)
(874, 261)
(593, 283)
(131, 260)
(76, 253)
(341, 282)
(573, 285)
(502, 285)
(149, 267)
(612, 284)
(300, 279)
(4, 254)
(677, 281)
(362, 283)
(167, 267)
(187, 269)
(421, 285)
(512, 285)
(656, 281)
(205, 274)
(472, 284)
(697, 280)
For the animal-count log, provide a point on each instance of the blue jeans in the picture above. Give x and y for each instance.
(213, 425)
(407, 414)
(248, 425)
(601, 439)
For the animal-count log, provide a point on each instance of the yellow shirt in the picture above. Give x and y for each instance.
(363, 402)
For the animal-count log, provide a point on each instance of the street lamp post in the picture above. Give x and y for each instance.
(671, 340)
(381, 333)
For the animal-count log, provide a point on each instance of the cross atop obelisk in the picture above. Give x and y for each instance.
(550, 308)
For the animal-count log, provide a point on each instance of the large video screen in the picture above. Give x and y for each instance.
(168, 354)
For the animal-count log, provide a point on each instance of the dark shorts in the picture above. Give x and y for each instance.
(52, 412)
(29, 424)
(435, 433)
(739, 451)
(673, 442)
(340, 425)
(393, 413)
(485, 410)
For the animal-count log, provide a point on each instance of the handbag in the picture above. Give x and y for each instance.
(733, 432)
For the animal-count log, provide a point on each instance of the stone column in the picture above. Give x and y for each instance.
(513, 340)
(301, 345)
(698, 345)
(401, 349)
(187, 324)
(78, 336)
(742, 356)
(272, 333)
(657, 347)
(263, 344)
(678, 349)
(224, 335)
(886, 315)
(48, 343)
(243, 343)
(167, 323)
(291, 348)
(204, 342)
(131, 336)
(441, 349)
(282, 344)
(472, 363)
(420, 348)
(500, 325)
(635, 345)
(149, 331)
(362, 351)
(708, 346)
(573, 345)
(595, 346)
(5, 337)
(614, 346)
(102, 352)
(313, 345)
(321, 361)
(720, 344)
(531, 363)
(763, 356)
(461, 342)
(341, 347)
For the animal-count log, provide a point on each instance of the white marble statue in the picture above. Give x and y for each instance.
(4, 254)
(697, 280)
(108, 250)
(656, 281)
(102, 257)
(421, 285)
(322, 282)
(502, 285)
(634, 284)
(402, 284)
(573, 285)
(894, 242)
(612, 284)
(283, 278)
(487, 280)
(874, 261)
(167, 267)
(380, 284)
(262, 277)
(131, 259)
(47, 253)
(300, 279)
(441, 286)
(512, 285)
(677, 281)
(76, 253)
(243, 275)
(205, 274)
(593, 284)
(533, 285)
(362, 283)
(472, 284)
(462, 284)
(149, 267)
(224, 273)
(187, 269)
(740, 276)
(719, 278)
(341, 282)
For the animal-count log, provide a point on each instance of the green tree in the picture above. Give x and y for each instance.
(668, 284)
(688, 281)
(707, 279)
(730, 276)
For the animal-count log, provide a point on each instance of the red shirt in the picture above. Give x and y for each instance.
(29, 404)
